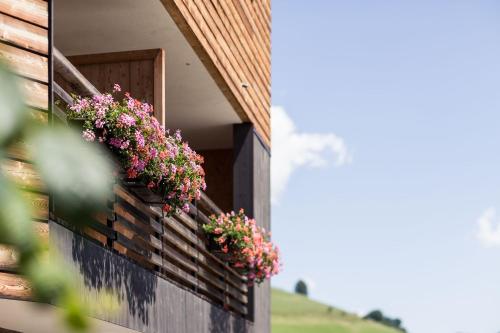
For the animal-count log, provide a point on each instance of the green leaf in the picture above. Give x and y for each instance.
(77, 173)
(12, 110)
(75, 313)
(50, 279)
(16, 227)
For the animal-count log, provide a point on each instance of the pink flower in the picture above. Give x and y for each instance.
(139, 138)
(130, 103)
(117, 143)
(141, 165)
(143, 146)
(178, 136)
(185, 208)
(167, 208)
(88, 135)
(99, 123)
(79, 105)
(126, 120)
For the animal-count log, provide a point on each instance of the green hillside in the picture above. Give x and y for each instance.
(293, 313)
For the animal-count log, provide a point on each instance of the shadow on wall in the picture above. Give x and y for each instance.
(103, 270)
(222, 321)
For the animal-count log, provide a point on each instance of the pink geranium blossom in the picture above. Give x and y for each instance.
(248, 245)
(126, 120)
(147, 153)
(88, 135)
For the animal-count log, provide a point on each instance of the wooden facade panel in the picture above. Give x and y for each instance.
(9, 256)
(14, 286)
(22, 174)
(34, 11)
(24, 47)
(36, 94)
(205, 11)
(39, 205)
(25, 63)
(139, 72)
(39, 115)
(232, 39)
(42, 230)
(17, 32)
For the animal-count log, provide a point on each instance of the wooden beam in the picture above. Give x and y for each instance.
(72, 75)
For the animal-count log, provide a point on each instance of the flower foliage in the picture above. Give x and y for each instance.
(248, 246)
(147, 152)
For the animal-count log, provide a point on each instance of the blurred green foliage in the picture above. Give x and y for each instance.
(75, 173)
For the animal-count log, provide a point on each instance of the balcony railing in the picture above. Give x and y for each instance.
(173, 247)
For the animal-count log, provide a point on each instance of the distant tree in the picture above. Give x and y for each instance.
(378, 316)
(375, 315)
(397, 322)
(301, 288)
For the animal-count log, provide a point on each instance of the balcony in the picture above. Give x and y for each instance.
(134, 227)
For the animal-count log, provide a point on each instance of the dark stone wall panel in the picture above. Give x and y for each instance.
(147, 302)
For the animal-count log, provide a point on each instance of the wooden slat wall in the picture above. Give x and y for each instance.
(140, 72)
(175, 247)
(233, 40)
(24, 46)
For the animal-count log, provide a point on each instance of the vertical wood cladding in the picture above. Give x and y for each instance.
(233, 40)
(24, 45)
(139, 72)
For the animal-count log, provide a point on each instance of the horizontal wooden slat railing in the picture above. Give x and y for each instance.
(174, 247)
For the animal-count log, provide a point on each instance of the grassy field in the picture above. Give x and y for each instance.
(292, 313)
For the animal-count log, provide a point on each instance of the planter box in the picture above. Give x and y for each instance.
(136, 187)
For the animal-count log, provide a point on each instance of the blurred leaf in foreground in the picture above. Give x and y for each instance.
(12, 109)
(76, 175)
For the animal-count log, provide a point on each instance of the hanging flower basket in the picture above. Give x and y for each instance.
(237, 240)
(156, 165)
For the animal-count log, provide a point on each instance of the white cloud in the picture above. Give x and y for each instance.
(292, 150)
(488, 229)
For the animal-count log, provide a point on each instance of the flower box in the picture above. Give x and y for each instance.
(158, 167)
(236, 239)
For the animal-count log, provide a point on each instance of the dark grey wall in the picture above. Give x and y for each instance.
(147, 303)
(262, 214)
(252, 183)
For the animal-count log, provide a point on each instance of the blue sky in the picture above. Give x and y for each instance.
(385, 215)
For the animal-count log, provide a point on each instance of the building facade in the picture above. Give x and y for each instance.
(205, 67)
